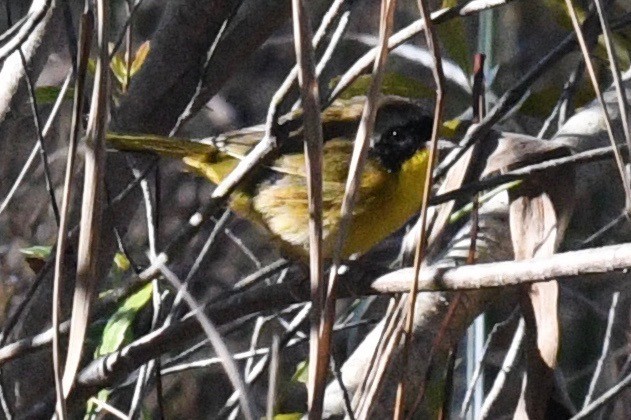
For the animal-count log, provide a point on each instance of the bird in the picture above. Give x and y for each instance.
(274, 196)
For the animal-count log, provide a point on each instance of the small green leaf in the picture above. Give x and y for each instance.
(38, 251)
(92, 66)
(288, 416)
(117, 331)
(36, 256)
(121, 262)
(49, 94)
(119, 69)
(140, 57)
(302, 372)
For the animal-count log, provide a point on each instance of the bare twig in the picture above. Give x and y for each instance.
(177, 301)
(403, 35)
(509, 322)
(124, 30)
(187, 113)
(38, 144)
(507, 367)
(92, 204)
(421, 246)
(26, 29)
(604, 399)
(219, 346)
(522, 173)
(260, 366)
(358, 159)
(269, 142)
(273, 378)
(615, 74)
(604, 352)
(607, 120)
(511, 97)
(40, 138)
(310, 93)
(564, 266)
(381, 358)
(85, 36)
(109, 408)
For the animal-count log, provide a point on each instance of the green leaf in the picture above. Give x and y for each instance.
(49, 94)
(139, 58)
(38, 251)
(119, 69)
(288, 416)
(121, 262)
(117, 331)
(36, 256)
(92, 66)
(302, 372)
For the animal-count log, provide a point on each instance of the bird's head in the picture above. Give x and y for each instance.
(402, 128)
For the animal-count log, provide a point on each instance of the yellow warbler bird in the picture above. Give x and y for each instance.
(274, 196)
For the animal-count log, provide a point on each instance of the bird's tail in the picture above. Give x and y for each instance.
(202, 157)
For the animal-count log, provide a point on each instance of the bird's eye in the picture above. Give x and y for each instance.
(399, 143)
(392, 135)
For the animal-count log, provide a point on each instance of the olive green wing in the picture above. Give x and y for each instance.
(215, 157)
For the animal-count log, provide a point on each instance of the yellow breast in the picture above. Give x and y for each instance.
(386, 201)
(389, 211)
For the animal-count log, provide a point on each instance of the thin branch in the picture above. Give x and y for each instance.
(121, 37)
(403, 35)
(607, 119)
(507, 367)
(604, 399)
(187, 113)
(92, 203)
(40, 138)
(466, 402)
(313, 143)
(604, 352)
(511, 97)
(524, 172)
(564, 266)
(178, 300)
(219, 346)
(615, 74)
(38, 144)
(421, 245)
(272, 383)
(358, 159)
(25, 30)
(262, 364)
(85, 37)
(269, 142)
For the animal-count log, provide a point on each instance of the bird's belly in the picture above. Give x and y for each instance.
(283, 209)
